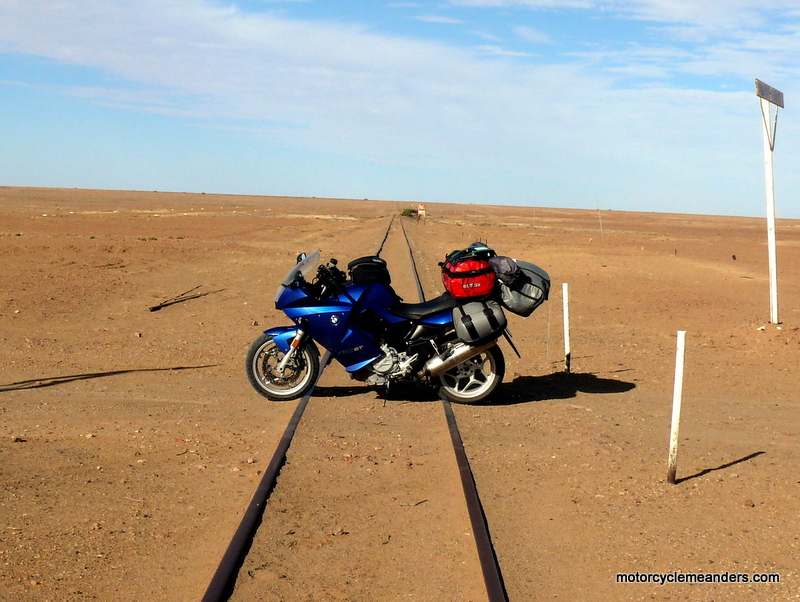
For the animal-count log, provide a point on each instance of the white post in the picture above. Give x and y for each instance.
(676, 408)
(769, 143)
(567, 350)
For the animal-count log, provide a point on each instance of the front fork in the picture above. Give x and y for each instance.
(293, 347)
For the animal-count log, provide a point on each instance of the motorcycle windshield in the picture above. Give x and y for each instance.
(305, 267)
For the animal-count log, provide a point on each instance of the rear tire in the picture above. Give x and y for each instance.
(474, 380)
(298, 378)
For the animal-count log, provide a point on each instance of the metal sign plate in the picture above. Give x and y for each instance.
(769, 93)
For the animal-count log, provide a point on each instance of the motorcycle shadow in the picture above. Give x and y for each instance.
(523, 389)
(397, 392)
(559, 385)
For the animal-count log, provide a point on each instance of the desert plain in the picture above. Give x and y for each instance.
(131, 442)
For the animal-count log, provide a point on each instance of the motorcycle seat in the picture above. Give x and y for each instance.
(418, 311)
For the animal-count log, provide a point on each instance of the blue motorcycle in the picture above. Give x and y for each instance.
(360, 320)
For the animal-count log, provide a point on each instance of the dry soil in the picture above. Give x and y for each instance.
(132, 442)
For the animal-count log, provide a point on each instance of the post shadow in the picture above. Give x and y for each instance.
(720, 467)
(51, 381)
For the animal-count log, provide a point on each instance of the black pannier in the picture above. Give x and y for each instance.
(369, 270)
(523, 290)
(478, 322)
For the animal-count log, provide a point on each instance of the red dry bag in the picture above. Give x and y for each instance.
(468, 277)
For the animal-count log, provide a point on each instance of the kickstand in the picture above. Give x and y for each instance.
(507, 335)
(386, 393)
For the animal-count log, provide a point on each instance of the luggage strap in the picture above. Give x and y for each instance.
(469, 274)
(466, 319)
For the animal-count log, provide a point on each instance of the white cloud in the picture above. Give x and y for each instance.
(529, 34)
(712, 14)
(326, 84)
(438, 19)
(525, 3)
(486, 36)
(499, 51)
(707, 15)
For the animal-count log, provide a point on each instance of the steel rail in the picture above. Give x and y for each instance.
(224, 580)
(413, 263)
(385, 236)
(490, 566)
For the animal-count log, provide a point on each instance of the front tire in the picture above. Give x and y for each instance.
(475, 379)
(298, 378)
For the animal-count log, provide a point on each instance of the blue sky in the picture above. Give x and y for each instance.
(619, 104)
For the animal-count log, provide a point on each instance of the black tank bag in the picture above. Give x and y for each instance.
(369, 270)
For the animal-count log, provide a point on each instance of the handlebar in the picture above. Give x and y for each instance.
(330, 278)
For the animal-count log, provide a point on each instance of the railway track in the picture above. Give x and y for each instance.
(223, 583)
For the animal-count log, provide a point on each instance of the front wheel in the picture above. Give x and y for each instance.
(475, 379)
(297, 379)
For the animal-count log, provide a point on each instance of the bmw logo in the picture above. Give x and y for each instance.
(334, 319)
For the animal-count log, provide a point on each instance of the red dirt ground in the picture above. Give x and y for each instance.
(132, 442)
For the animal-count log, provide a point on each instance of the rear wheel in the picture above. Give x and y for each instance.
(297, 379)
(474, 380)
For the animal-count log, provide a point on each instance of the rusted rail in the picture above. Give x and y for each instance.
(492, 576)
(222, 583)
(224, 579)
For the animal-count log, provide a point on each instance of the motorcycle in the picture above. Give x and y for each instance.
(367, 328)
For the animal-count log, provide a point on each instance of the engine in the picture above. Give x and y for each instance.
(393, 365)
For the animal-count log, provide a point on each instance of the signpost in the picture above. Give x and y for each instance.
(770, 96)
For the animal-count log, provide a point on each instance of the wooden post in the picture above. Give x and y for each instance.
(672, 467)
(567, 349)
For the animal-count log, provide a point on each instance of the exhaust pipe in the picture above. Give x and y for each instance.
(460, 352)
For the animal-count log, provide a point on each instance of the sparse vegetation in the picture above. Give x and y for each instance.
(409, 212)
